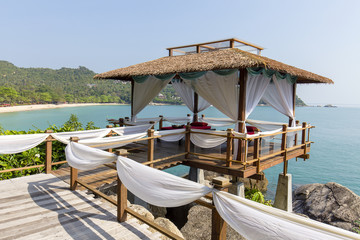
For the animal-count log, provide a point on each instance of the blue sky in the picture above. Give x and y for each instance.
(320, 36)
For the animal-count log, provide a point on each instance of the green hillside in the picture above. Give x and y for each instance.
(44, 85)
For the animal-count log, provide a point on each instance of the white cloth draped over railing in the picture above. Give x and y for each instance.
(142, 121)
(178, 120)
(251, 219)
(207, 141)
(10, 144)
(146, 88)
(186, 94)
(173, 138)
(217, 122)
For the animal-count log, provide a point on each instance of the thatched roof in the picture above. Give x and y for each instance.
(222, 59)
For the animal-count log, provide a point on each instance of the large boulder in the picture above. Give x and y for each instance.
(198, 226)
(166, 223)
(330, 203)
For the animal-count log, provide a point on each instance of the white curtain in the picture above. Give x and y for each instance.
(251, 219)
(112, 142)
(186, 94)
(265, 125)
(157, 187)
(64, 137)
(132, 129)
(10, 144)
(221, 91)
(172, 138)
(146, 91)
(85, 158)
(279, 94)
(207, 141)
(217, 122)
(255, 88)
(178, 120)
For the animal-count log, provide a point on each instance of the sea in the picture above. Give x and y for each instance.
(334, 156)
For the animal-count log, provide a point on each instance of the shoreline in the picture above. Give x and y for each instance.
(23, 108)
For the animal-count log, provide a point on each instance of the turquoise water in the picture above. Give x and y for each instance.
(334, 156)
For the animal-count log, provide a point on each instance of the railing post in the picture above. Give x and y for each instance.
(229, 147)
(187, 141)
(188, 115)
(48, 153)
(73, 171)
(151, 147)
(153, 124)
(161, 122)
(283, 147)
(109, 135)
(296, 134)
(256, 153)
(121, 197)
(218, 225)
(303, 136)
(121, 122)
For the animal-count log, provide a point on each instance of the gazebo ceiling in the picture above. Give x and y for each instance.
(231, 58)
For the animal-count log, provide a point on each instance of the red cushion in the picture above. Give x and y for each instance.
(201, 127)
(199, 124)
(251, 129)
(167, 128)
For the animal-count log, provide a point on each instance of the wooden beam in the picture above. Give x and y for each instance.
(208, 47)
(241, 112)
(214, 168)
(187, 141)
(73, 171)
(132, 98)
(229, 147)
(196, 104)
(48, 153)
(150, 151)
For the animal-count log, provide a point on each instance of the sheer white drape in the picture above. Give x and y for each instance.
(10, 144)
(251, 219)
(145, 91)
(172, 138)
(178, 120)
(112, 142)
(279, 94)
(221, 91)
(255, 88)
(207, 141)
(132, 129)
(186, 94)
(64, 137)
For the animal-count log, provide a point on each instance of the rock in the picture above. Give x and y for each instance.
(166, 223)
(157, 211)
(198, 226)
(142, 211)
(329, 203)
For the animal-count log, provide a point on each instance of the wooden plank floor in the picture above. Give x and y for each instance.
(42, 207)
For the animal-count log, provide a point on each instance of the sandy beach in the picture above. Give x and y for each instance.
(48, 106)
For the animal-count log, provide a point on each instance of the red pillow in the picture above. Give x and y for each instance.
(200, 124)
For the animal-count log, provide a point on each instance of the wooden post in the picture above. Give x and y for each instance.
(229, 147)
(132, 99)
(232, 45)
(303, 136)
(283, 147)
(153, 124)
(218, 225)
(196, 103)
(161, 122)
(73, 171)
(109, 135)
(187, 141)
(241, 112)
(151, 147)
(48, 153)
(121, 197)
(170, 52)
(296, 135)
(198, 49)
(121, 122)
(257, 153)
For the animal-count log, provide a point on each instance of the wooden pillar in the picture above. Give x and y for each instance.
(232, 43)
(303, 136)
(170, 52)
(229, 147)
(257, 154)
(73, 171)
(218, 225)
(296, 135)
(161, 122)
(283, 147)
(48, 153)
(241, 112)
(196, 104)
(150, 151)
(132, 99)
(121, 198)
(187, 141)
(121, 122)
(294, 103)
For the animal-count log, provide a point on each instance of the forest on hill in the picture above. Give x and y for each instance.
(44, 85)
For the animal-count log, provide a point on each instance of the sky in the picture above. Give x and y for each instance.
(319, 36)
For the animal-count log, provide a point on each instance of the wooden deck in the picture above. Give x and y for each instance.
(42, 207)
